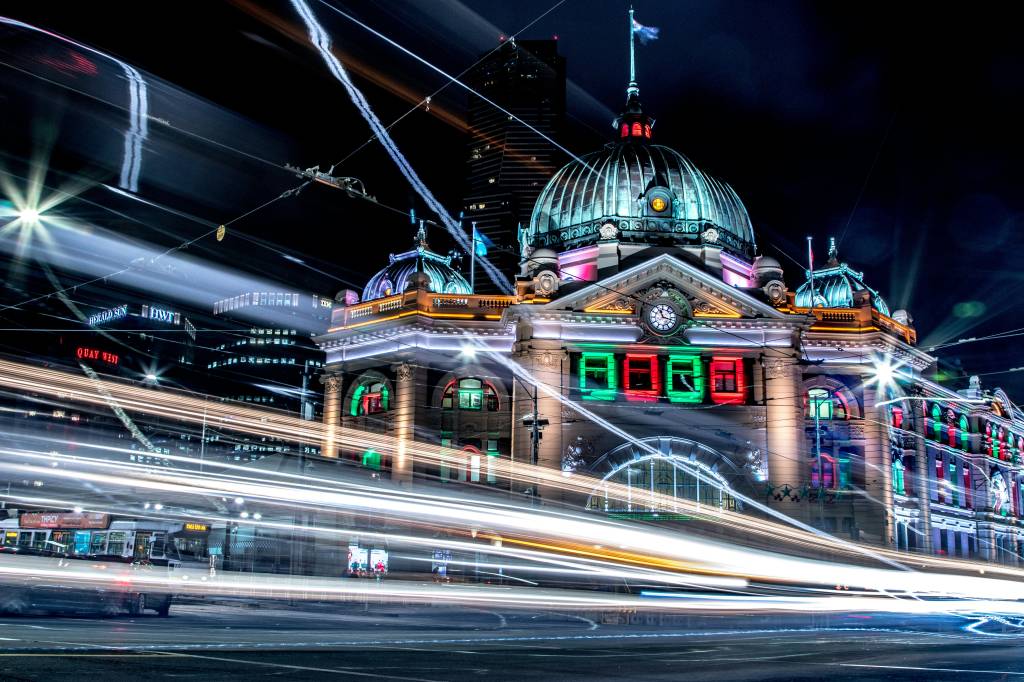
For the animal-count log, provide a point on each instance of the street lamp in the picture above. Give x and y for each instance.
(535, 423)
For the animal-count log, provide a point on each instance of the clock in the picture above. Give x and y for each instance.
(662, 317)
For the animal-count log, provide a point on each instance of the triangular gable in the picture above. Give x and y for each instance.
(710, 297)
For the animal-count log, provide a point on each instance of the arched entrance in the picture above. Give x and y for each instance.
(670, 472)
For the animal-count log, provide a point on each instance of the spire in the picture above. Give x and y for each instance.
(633, 124)
(421, 236)
(833, 252)
(632, 90)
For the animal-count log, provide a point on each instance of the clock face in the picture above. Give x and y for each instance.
(662, 317)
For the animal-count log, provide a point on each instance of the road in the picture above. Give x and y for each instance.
(222, 642)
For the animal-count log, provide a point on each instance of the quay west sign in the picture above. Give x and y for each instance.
(108, 315)
(85, 353)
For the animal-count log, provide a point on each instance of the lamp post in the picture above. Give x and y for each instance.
(535, 423)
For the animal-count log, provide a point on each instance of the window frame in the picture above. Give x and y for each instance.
(723, 397)
(648, 363)
(696, 373)
(610, 389)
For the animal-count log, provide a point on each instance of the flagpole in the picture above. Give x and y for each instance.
(810, 266)
(632, 55)
(472, 262)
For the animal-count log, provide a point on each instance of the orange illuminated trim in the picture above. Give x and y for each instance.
(540, 300)
(608, 311)
(460, 316)
(845, 329)
(729, 315)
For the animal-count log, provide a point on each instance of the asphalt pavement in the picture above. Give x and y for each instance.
(238, 642)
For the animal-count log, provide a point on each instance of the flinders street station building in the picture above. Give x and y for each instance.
(643, 298)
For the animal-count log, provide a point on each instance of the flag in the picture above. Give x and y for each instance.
(645, 33)
(480, 242)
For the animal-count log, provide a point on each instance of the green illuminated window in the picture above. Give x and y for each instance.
(371, 397)
(371, 460)
(844, 473)
(597, 376)
(819, 403)
(965, 433)
(684, 379)
(471, 394)
(897, 478)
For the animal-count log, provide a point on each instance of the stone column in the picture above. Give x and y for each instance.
(878, 506)
(923, 485)
(788, 465)
(332, 414)
(408, 380)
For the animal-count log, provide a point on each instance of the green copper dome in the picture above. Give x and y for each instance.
(650, 193)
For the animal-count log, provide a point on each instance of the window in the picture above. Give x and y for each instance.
(727, 382)
(897, 417)
(371, 397)
(819, 404)
(470, 394)
(898, 486)
(597, 376)
(642, 379)
(637, 130)
(685, 379)
(827, 405)
(827, 473)
(371, 460)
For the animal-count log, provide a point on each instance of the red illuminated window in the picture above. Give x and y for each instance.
(826, 475)
(625, 130)
(939, 478)
(897, 417)
(642, 379)
(647, 131)
(727, 382)
(637, 130)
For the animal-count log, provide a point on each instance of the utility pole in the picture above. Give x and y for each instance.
(535, 425)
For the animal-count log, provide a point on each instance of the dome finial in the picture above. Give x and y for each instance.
(833, 252)
(632, 90)
(421, 236)
(633, 123)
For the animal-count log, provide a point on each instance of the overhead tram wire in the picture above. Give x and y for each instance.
(173, 249)
(428, 98)
(452, 79)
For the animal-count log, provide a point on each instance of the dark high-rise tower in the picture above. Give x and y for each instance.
(509, 164)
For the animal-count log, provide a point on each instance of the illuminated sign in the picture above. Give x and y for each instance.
(83, 353)
(108, 315)
(196, 527)
(161, 315)
(64, 520)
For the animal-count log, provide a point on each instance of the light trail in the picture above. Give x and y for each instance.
(33, 380)
(559, 532)
(138, 113)
(322, 42)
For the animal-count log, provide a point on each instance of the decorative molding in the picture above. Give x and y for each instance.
(332, 384)
(404, 372)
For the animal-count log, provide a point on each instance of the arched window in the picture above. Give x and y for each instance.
(637, 130)
(370, 397)
(625, 130)
(965, 433)
(827, 404)
(647, 131)
(470, 394)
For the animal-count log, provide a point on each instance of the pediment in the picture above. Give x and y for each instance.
(627, 291)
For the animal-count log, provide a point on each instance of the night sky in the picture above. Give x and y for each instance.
(893, 127)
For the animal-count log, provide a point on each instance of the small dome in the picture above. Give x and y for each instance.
(403, 270)
(835, 285)
(767, 264)
(540, 258)
(648, 191)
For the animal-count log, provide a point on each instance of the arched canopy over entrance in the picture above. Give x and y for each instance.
(655, 480)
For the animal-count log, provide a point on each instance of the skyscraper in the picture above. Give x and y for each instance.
(509, 163)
